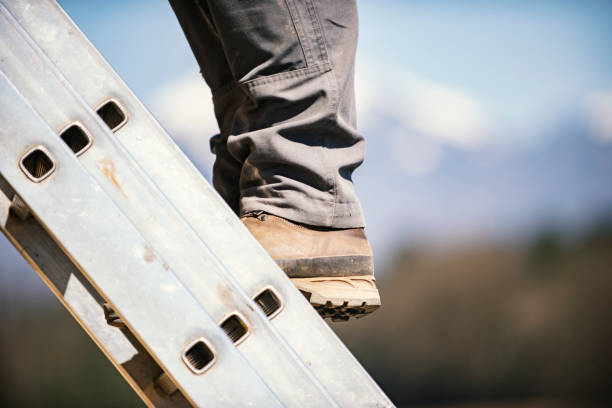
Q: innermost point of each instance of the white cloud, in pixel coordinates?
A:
(436, 111)
(421, 116)
(443, 114)
(414, 155)
(598, 110)
(183, 106)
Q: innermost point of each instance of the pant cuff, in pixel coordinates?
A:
(345, 215)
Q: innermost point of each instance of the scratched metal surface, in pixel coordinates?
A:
(214, 223)
(75, 292)
(122, 264)
(169, 236)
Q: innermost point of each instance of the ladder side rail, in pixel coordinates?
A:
(82, 301)
(122, 266)
(328, 358)
(162, 226)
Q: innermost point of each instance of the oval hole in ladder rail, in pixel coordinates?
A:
(199, 356)
(235, 328)
(269, 301)
(113, 114)
(77, 139)
(37, 163)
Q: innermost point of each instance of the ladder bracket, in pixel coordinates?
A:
(19, 208)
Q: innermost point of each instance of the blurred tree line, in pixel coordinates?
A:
(495, 323)
(484, 324)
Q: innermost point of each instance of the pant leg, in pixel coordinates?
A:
(207, 48)
(285, 104)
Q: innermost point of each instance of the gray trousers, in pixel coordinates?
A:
(282, 79)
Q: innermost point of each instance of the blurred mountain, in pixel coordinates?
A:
(483, 194)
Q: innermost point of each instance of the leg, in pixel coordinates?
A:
(281, 74)
(203, 38)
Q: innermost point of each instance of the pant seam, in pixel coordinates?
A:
(333, 88)
(296, 73)
(299, 31)
(318, 30)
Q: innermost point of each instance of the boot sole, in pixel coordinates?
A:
(340, 298)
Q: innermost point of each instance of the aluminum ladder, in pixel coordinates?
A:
(108, 210)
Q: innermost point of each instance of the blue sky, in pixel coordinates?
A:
(484, 120)
(527, 60)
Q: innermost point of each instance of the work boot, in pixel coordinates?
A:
(333, 268)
